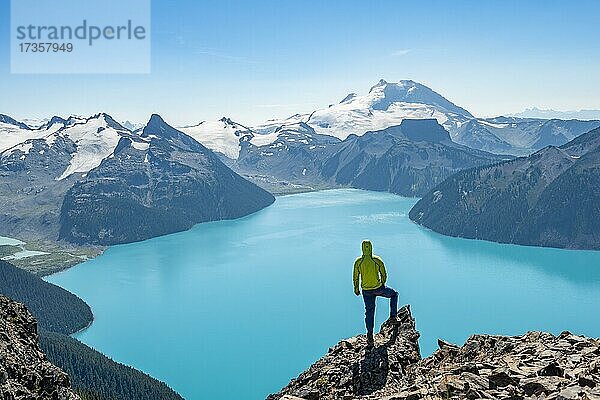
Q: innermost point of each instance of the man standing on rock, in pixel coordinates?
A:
(370, 271)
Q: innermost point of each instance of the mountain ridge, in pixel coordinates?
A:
(153, 188)
(535, 112)
(42, 172)
(546, 199)
(406, 159)
(386, 104)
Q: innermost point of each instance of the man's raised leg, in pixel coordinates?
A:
(393, 296)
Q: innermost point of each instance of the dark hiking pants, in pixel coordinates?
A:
(370, 296)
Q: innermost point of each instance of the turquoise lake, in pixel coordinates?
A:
(235, 309)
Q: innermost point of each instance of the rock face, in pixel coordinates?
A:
(536, 365)
(408, 159)
(25, 373)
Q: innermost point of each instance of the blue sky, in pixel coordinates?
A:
(255, 60)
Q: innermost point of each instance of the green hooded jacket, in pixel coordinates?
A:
(369, 269)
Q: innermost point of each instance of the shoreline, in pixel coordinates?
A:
(44, 257)
(85, 328)
(94, 251)
(572, 249)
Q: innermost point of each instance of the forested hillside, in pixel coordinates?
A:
(55, 308)
(96, 376)
(547, 199)
(59, 313)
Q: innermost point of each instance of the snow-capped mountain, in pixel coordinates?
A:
(132, 126)
(386, 104)
(159, 182)
(90, 180)
(35, 123)
(13, 133)
(271, 125)
(93, 139)
(9, 121)
(223, 136)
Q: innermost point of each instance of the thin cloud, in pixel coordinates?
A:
(399, 53)
(225, 57)
(284, 105)
(182, 42)
(274, 105)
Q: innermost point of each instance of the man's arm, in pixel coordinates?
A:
(355, 278)
(382, 271)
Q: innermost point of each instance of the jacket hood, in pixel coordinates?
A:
(367, 248)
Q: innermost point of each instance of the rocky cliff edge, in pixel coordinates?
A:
(25, 373)
(536, 365)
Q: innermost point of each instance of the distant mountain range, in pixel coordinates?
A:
(519, 136)
(92, 181)
(554, 114)
(549, 198)
(406, 159)
(385, 105)
(388, 104)
(79, 179)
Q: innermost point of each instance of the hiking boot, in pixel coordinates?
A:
(370, 340)
(392, 321)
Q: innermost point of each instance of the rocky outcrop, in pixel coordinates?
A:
(352, 369)
(25, 373)
(536, 365)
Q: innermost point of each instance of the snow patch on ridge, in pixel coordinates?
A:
(143, 146)
(11, 135)
(222, 136)
(95, 141)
